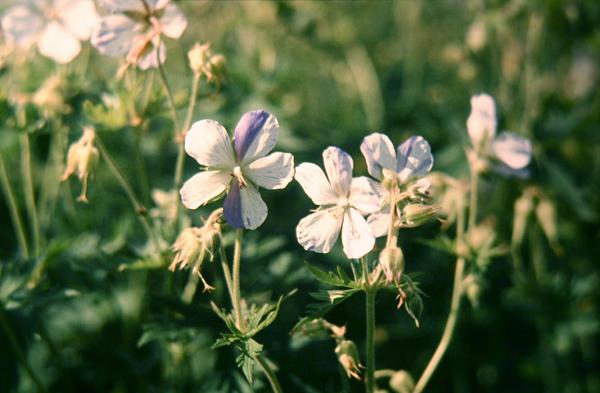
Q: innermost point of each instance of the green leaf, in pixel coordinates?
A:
(249, 350)
(340, 279)
(328, 300)
(414, 306)
(442, 243)
(227, 318)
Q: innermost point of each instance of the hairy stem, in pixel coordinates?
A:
(392, 236)
(237, 256)
(29, 193)
(370, 315)
(473, 200)
(13, 209)
(270, 374)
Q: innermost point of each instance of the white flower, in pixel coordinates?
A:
(56, 26)
(411, 160)
(342, 200)
(239, 171)
(511, 149)
(133, 28)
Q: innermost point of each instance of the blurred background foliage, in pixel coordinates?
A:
(90, 316)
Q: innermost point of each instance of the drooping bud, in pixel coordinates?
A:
(391, 262)
(546, 216)
(472, 287)
(416, 214)
(82, 159)
(523, 207)
(402, 382)
(347, 354)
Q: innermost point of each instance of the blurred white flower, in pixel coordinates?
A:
(240, 171)
(56, 26)
(393, 168)
(342, 200)
(513, 150)
(133, 28)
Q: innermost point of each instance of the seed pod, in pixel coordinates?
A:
(402, 382)
(416, 214)
(347, 354)
(391, 261)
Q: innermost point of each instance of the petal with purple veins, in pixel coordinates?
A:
(338, 165)
(414, 158)
(379, 153)
(255, 135)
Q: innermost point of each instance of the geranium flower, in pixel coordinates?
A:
(239, 172)
(412, 160)
(56, 26)
(342, 200)
(511, 149)
(133, 28)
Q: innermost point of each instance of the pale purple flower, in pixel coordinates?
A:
(237, 170)
(342, 201)
(513, 150)
(132, 30)
(410, 161)
(55, 26)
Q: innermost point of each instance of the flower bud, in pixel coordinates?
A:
(347, 354)
(482, 236)
(472, 287)
(199, 57)
(391, 261)
(416, 214)
(402, 382)
(523, 207)
(82, 158)
(546, 215)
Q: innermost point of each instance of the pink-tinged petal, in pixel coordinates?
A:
(365, 195)
(481, 123)
(172, 21)
(255, 135)
(338, 165)
(414, 158)
(120, 6)
(78, 16)
(380, 222)
(357, 237)
(512, 149)
(273, 172)
(115, 34)
(208, 143)
(315, 184)
(22, 26)
(244, 207)
(318, 231)
(203, 187)
(379, 153)
(58, 43)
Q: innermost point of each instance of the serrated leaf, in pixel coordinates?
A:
(338, 279)
(328, 300)
(226, 318)
(249, 350)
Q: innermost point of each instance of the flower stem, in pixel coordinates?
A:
(269, 373)
(237, 256)
(473, 200)
(14, 209)
(226, 270)
(10, 334)
(170, 98)
(454, 303)
(140, 210)
(392, 237)
(370, 314)
(29, 193)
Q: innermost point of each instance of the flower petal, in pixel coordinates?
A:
(380, 222)
(318, 231)
(481, 123)
(255, 135)
(273, 172)
(338, 165)
(21, 26)
(203, 187)
(379, 153)
(208, 143)
(78, 16)
(149, 60)
(58, 44)
(119, 6)
(414, 158)
(172, 21)
(512, 149)
(365, 195)
(315, 184)
(115, 34)
(357, 237)
(244, 207)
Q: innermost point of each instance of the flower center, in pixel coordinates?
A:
(239, 176)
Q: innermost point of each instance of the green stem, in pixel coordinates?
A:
(392, 237)
(226, 270)
(237, 256)
(473, 200)
(29, 193)
(370, 309)
(12, 338)
(170, 97)
(13, 209)
(140, 210)
(275, 386)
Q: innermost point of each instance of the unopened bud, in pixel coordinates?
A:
(347, 354)
(523, 207)
(546, 215)
(402, 382)
(472, 287)
(199, 57)
(82, 159)
(416, 214)
(391, 261)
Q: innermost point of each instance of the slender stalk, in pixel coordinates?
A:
(454, 305)
(13, 209)
(171, 99)
(270, 374)
(473, 200)
(226, 270)
(237, 256)
(29, 193)
(370, 311)
(140, 210)
(392, 237)
(21, 358)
